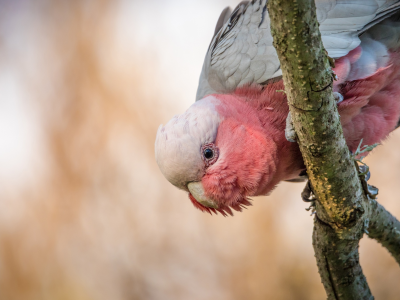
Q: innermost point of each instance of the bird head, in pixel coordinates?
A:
(218, 153)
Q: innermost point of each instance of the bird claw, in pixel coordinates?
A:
(363, 171)
(338, 97)
(307, 194)
(290, 133)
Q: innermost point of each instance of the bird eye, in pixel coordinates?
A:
(208, 153)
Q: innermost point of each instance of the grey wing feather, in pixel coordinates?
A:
(241, 50)
(223, 18)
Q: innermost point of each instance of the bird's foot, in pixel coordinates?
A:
(364, 174)
(307, 194)
(338, 97)
(290, 133)
(312, 208)
(363, 171)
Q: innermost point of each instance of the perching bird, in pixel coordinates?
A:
(230, 144)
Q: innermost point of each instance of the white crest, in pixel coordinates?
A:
(178, 143)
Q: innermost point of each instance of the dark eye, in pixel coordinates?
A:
(208, 153)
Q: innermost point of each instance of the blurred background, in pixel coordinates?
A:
(85, 213)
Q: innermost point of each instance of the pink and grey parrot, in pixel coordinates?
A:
(231, 143)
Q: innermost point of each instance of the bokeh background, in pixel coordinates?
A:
(85, 213)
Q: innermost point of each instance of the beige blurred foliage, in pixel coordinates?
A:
(96, 219)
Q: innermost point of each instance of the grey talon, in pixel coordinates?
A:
(290, 133)
(307, 194)
(338, 97)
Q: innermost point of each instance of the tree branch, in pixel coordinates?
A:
(338, 264)
(385, 228)
(341, 203)
(343, 210)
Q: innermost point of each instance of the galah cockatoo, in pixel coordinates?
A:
(230, 144)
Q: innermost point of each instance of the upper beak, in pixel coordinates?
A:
(197, 191)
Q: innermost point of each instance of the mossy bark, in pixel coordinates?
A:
(341, 204)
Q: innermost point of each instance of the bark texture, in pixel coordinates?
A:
(341, 204)
(385, 228)
(338, 264)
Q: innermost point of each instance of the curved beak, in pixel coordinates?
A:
(197, 191)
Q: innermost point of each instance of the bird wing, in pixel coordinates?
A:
(241, 50)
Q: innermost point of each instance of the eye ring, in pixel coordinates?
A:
(209, 154)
